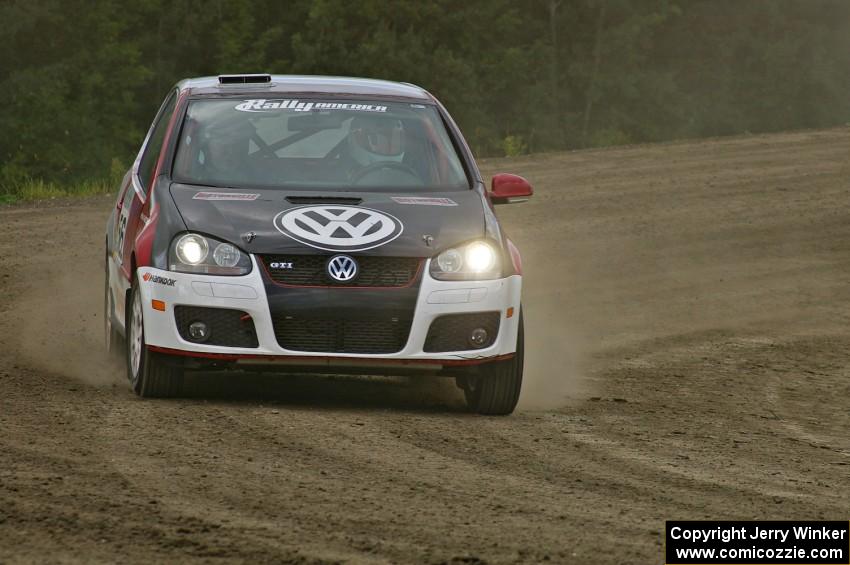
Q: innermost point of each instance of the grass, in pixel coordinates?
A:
(36, 189)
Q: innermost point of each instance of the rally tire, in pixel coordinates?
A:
(150, 375)
(113, 340)
(495, 390)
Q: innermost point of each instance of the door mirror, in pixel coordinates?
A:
(510, 189)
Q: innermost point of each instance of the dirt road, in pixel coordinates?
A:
(688, 310)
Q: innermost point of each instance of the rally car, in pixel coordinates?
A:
(325, 224)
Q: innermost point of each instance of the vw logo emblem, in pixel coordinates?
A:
(338, 228)
(342, 268)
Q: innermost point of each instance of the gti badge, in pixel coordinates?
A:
(338, 228)
(342, 268)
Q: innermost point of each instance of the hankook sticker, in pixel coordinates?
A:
(159, 280)
(225, 196)
(424, 201)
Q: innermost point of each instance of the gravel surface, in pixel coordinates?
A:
(688, 357)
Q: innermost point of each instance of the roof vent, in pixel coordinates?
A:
(244, 79)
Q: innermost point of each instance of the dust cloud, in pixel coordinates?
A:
(60, 326)
(553, 376)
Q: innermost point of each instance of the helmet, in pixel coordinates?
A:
(225, 145)
(376, 138)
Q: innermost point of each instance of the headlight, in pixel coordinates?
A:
(225, 255)
(192, 249)
(477, 260)
(480, 257)
(450, 261)
(190, 253)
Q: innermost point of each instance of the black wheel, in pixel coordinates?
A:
(113, 340)
(495, 389)
(149, 374)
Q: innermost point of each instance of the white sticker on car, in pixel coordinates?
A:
(225, 196)
(424, 201)
(270, 105)
(338, 228)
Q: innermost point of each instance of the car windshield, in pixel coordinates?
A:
(321, 144)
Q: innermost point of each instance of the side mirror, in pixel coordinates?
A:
(510, 189)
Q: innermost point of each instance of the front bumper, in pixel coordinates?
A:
(247, 293)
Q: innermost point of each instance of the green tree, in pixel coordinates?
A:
(518, 75)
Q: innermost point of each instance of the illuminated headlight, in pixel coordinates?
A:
(477, 260)
(480, 257)
(192, 249)
(190, 253)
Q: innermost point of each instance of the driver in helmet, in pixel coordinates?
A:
(374, 139)
(225, 154)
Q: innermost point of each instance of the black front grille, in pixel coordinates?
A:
(311, 270)
(451, 332)
(230, 328)
(341, 336)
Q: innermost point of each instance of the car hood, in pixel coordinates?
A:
(308, 222)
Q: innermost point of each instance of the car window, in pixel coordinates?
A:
(317, 144)
(147, 165)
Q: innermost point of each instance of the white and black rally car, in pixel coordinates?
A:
(313, 224)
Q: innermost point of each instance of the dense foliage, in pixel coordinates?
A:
(81, 80)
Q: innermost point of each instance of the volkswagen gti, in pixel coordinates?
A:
(295, 223)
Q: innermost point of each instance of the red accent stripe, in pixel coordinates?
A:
(357, 360)
(352, 287)
(178, 107)
(144, 239)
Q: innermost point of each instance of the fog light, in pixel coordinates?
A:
(478, 337)
(199, 331)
